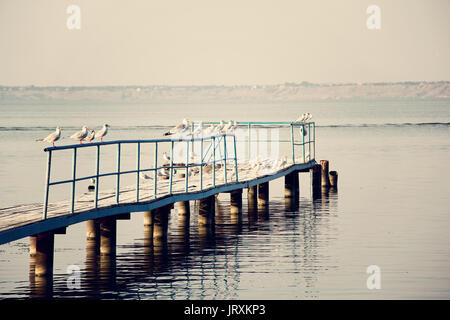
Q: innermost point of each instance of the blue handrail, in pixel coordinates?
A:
(208, 157)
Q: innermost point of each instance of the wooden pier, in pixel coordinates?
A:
(215, 172)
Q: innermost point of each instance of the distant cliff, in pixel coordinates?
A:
(287, 92)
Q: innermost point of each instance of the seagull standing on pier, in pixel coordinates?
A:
(302, 118)
(219, 127)
(80, 135)
(166, 157)
(144, 176)
(90, 137)
(52, 137)
(103, 132)
(179, 128)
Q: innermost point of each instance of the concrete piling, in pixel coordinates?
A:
(206, 210)
(161, 223)
(236, 201)
(324, 173)
(92, 230)
(333, 179)
(263, 195)
(108, 235)
(316, 180)
(41, 249)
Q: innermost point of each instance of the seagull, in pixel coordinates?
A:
(227, 127)
(230, 130)
(282, 163)
(91, 187)
(52, 137)
(163, 174)
(90, 137)
(80, 135)
(166, 157)
(144, 176)
(220, 126)
(179, 128)
(197, 131)
(208, 131)
(103, 132)
(301, 118)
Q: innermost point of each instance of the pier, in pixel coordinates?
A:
(196, 168)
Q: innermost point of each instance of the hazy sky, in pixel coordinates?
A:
(181, 42)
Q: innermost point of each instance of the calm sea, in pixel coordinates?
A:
(392, 209)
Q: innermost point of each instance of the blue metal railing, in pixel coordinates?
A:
(207, 157)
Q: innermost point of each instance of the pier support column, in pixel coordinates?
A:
(291, 185)
(325, 175)
(206, 210)
(108, 235)
(161, 223)
(184, 215)
(236, 201)
(93, 230)
(41, 249)
(184, 210)
(263, 195)
(316, 180)
(291, 191)
(148, 218)
(236, 206)
(252, 196)
(333, 179)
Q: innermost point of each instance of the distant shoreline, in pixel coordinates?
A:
(286, 92)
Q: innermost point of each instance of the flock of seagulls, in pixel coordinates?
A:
(83, 135)
(184, 129)
(306, 117)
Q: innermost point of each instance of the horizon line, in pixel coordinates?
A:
(230, 85)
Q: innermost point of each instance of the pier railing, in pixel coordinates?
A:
(216, 153)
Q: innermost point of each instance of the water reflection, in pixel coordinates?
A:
(209, 261)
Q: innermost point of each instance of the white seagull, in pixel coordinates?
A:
(144, 176)
(103, 132)
(90, 137)
(52, 137)
(227, 127)
(179, 128)
(80, 135)
(220, 126)
(301, 118)
(166, 157)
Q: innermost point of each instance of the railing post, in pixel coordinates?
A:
(47, 184)
(214, 161)
(303, 142)
(249, 141)
(225, 156)
(293, 143)
(74, 173)
(187, 164)
(171, 167)
(96, 179)
(201, 165)
(314, 139)
(118, 174)
(138, 167)
(235, 159)
(156, 170)
(309, 141)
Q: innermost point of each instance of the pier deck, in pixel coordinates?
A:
(24, 220)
